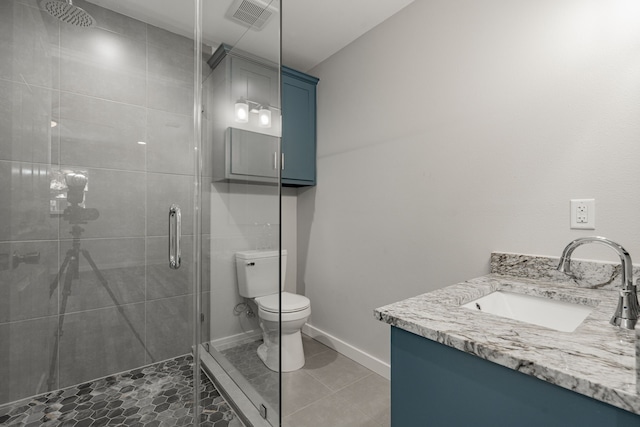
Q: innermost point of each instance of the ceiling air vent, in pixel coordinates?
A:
(254, 14)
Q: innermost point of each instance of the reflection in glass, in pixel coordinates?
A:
(76, 214)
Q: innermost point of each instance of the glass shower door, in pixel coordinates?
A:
(96, 143)
(241, 200)
(98, 140)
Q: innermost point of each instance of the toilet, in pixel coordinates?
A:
(258, 280)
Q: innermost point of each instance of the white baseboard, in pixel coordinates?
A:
(368, 361)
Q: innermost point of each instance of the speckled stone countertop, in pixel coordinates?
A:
(597, 359)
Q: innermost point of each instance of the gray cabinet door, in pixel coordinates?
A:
(254, 82)
(252, 155)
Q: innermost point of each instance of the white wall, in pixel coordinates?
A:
(289, 240)
(457, 128)
(245, 217)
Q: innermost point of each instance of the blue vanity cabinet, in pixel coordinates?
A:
(298, 128)
(439, 386)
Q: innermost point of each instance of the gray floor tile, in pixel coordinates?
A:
(335, 370)
(371, 395)
(329, 411)
(312, 347)
(300, 389)
(385, 419)
(244, 358)
(331, 390)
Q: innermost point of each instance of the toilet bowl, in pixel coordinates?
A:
(258, 279)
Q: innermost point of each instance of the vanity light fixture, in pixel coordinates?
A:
(242, 111)
(264, 117)
(244, 108)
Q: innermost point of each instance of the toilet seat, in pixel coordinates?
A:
(291, 303)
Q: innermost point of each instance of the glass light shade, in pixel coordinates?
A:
(242, 112)
(264, 118)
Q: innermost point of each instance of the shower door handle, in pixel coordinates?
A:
(175, 231)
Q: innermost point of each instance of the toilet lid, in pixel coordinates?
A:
(290, 302)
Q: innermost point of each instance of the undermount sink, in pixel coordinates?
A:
(559, 315)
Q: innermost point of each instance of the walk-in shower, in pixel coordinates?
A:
(110, 111)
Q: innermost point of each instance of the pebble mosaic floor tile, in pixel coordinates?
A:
(156, 396)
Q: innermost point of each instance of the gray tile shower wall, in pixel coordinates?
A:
(105, 89)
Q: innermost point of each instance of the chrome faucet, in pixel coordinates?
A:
(626, 314)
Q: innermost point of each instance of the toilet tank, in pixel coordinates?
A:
(258, 272)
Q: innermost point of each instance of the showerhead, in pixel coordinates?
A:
(65, 11)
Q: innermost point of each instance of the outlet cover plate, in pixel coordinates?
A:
(583, 214)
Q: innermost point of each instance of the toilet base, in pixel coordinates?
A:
(292, 351)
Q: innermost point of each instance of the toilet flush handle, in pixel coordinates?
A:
(250, 264)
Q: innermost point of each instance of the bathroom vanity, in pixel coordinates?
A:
(458, 366)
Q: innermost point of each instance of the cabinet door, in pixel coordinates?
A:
(254, 82)
(298, 131)
(252, 155)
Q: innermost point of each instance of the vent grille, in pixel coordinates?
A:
(254, 14)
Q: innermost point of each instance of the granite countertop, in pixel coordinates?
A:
(597, 359)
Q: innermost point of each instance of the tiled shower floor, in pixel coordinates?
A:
(156, 395)
(244, 358)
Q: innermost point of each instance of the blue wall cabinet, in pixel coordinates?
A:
(436, 385)
(298, 128)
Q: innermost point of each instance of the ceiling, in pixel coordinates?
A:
(312, 30)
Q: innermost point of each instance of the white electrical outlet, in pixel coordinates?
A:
(583, 214)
